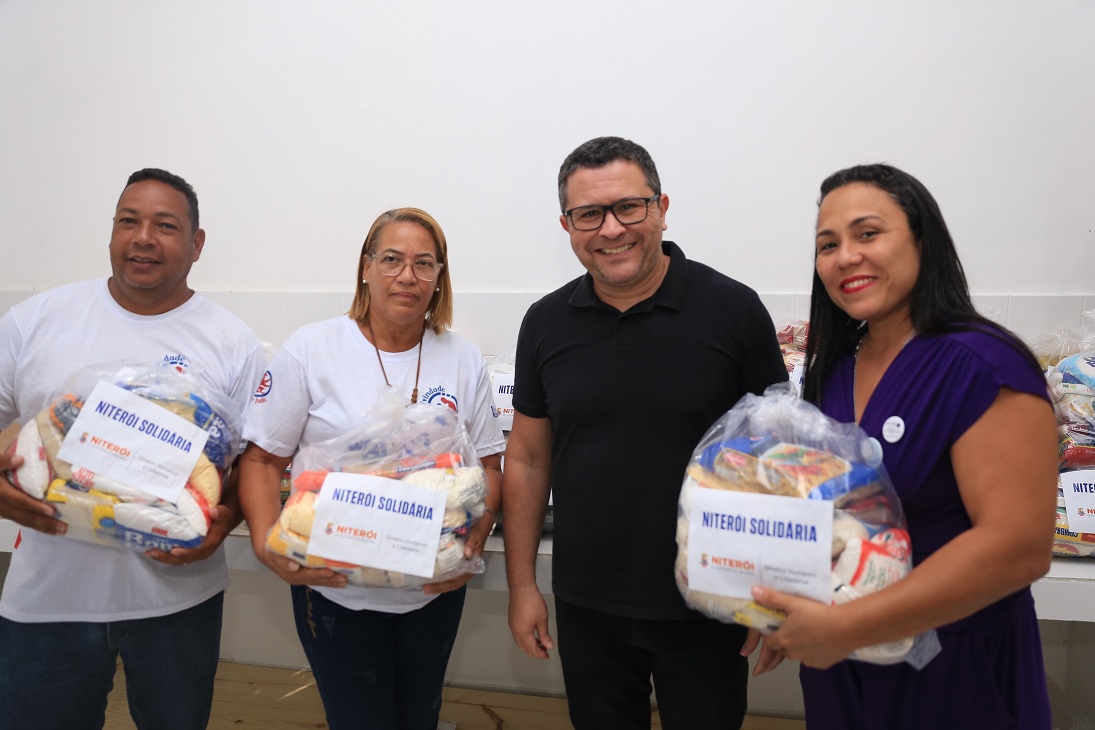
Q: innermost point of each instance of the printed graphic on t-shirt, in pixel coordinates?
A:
(438, 396)
(180, 362)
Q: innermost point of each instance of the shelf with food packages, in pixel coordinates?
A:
(1067, 591)
(1072, 385)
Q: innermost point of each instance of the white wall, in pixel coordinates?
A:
(299, 122)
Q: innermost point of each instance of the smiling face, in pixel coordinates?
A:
(400, 301)
(626, 262)
(152, 247)
(866, 255)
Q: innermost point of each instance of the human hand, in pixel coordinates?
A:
(477, 536)
(18, 506)
(473, 548)
(528, 622)
(222, 520)
(288, 569)
(811, 633)
(767, 660)
(296, 574)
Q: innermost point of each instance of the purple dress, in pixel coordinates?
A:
(989, 673)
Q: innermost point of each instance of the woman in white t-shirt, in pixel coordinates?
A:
(378, 655)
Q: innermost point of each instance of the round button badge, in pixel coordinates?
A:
(893, 429)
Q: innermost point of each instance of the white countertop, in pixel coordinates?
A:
(1067, 593)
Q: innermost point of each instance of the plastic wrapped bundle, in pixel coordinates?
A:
(100, 509)
(1072, 383)
(1074, 387)
(419, 445)
(779, 446)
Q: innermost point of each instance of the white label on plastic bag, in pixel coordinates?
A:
(798, 374)
(378, 522)
(1079, 490)
(738, 540)
(129, 439)
(503, 399)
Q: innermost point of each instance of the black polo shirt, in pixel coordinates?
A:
(630, 395)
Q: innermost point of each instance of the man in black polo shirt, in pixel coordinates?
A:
(619, 374)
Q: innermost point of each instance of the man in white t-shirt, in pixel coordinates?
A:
(70, 608)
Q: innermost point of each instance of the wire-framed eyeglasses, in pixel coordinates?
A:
(628, 211)
(391, 265)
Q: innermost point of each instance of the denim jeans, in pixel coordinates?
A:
(699, 675)
(56, 676)
(375, 670)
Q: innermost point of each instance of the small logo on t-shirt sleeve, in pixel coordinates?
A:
(265, 386)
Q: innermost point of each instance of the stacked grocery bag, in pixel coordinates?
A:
(1070, 361)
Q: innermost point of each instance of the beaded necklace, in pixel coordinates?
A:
(418, 369)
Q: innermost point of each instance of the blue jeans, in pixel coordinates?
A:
(375, 670)
(699, 676)
(56, 676)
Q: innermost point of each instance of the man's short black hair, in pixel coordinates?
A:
(602, 151)
(168, 178)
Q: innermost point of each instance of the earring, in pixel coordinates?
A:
(437, 289)
(365, 282)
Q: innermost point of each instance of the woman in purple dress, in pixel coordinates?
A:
(960, 407)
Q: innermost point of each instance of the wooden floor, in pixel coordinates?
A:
(269, 698)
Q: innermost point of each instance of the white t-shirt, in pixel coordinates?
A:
(44, 340)
(324, 379)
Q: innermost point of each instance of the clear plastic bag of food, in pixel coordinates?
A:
(1052, 347)
(780, 448)
(1073, 386)
(366, 482)
(148, 471)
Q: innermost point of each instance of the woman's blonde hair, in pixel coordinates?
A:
(439, 312)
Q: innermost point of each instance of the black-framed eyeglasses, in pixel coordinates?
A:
(392, 265)
(628, 211)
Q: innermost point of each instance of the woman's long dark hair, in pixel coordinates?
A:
(940, 300)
